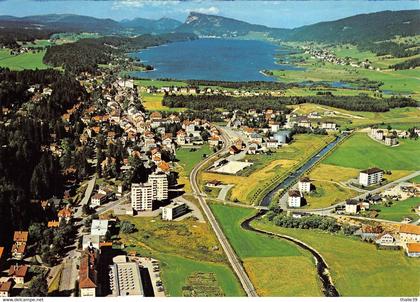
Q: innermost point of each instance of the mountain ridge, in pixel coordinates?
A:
(362, 27)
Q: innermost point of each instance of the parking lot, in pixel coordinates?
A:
(153, 267)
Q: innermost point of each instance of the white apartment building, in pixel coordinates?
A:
(159, 184)
(370, 176)
(304, 185)
(142, 197)
(295, 199)
(174, 210)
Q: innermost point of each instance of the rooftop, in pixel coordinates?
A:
(305, 179)
(294, 193)
(18, 270)
(21, 236)
(413, 247)
(99, 227)
(174, 205)
(371, 170)
(410, 229)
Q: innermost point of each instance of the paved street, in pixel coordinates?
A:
(230, 253)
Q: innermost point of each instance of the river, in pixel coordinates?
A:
(293, 177)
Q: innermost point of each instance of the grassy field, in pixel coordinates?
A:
(399, 118)
(27, 60)
(328, 193)
(416, 179)
(358, 268)
(398, 210)
(404, 81)
(362, 152)
(183, 247)
(153, 102)
(187, 159)
(269, 169)
(176, 270)
(265, 257)
(158, 83)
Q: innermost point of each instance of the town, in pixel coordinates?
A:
(204, 156)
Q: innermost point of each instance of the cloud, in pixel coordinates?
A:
(142, 3)
(205, 10)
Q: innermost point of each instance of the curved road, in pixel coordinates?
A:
(232, 257)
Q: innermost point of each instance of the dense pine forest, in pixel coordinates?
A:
(353, 103)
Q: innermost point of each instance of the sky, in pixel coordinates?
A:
(283, 14)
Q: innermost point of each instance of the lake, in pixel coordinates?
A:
(212, 59)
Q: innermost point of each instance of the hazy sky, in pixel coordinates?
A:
(272, 13)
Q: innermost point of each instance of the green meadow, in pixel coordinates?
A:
(183, 248)
(398, 210)
(176, 270)
(358, 268)
(361, 152)
(265, 257)
(27, 60)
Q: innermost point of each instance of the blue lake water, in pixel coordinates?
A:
(212, 59)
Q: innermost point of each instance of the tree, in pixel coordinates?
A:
(37, 288)
(36, 231)
(127, 227)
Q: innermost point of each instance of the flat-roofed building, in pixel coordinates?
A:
(99, 227)
(90, 241)
(174, 210)
(142, 197)
(159, 183)
(125, 278)
(371, 176)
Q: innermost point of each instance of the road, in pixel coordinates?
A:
(232, 257)
(363, 196)
(69, 274)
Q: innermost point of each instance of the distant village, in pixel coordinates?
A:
(327, 56)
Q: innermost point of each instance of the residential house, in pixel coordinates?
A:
(391, 140)
(274, 126)
(18, 273)
(409, 233)
(5, 289)
(180, 137)
(412, 249)
(20, 239)
(53, 224)
(329, 125)
(65, 213)
(352, 206)
(386, 239)
(97, 200)
(88, 274)
(272, 144)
